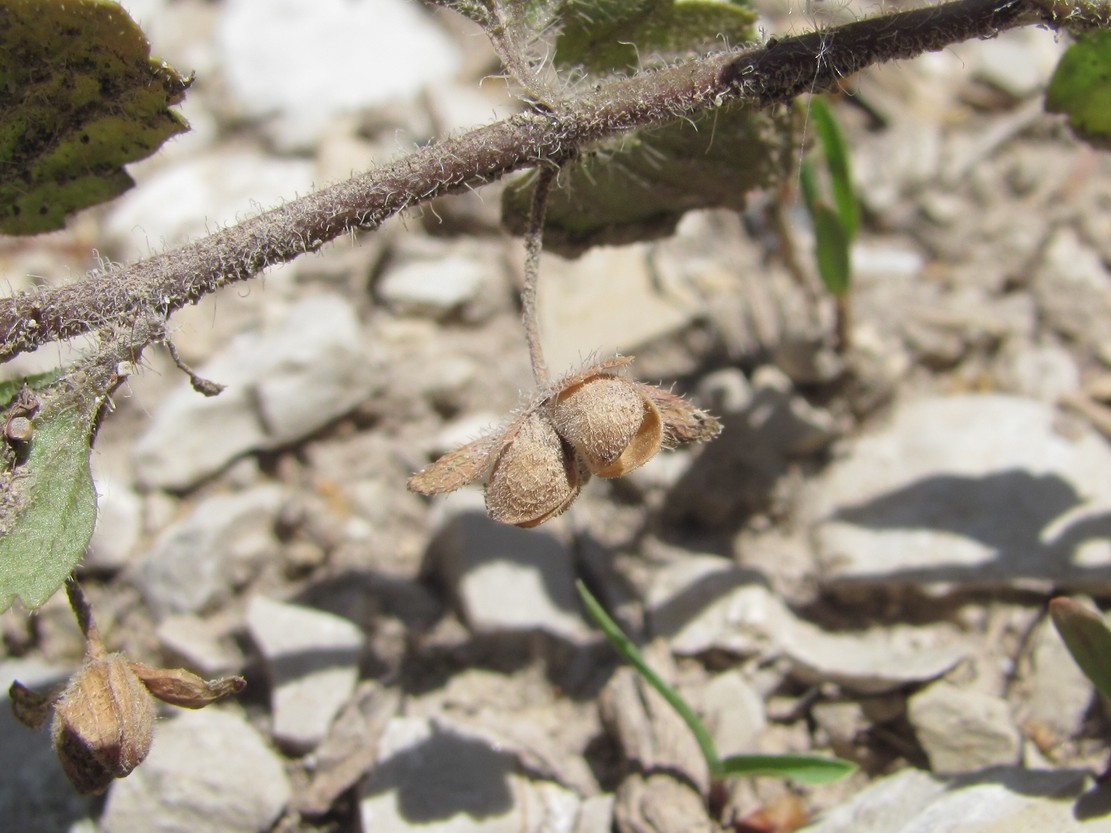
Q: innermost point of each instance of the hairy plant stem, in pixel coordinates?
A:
(534, 245)
(777, 72)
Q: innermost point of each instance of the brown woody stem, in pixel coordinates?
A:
(764, 75)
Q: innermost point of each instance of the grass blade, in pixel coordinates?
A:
(806, 769)
(1086, 635)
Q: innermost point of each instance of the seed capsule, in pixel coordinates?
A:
(103, 724)
(610, 422)
(535, 475)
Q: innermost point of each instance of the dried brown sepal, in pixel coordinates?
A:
(103, 724)
(683, 423)
(32, 708)
(535, 475)
(179, 687)
(453, 470)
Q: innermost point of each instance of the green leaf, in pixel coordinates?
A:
(620, 35)
(47, 505)
(837, 161)
(80, 96)
(1081, 87)
(629, 651)
(831, 248)
(639, 187)
(1086, 635)
(806, 769)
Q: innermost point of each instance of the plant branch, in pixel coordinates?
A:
(773, 73)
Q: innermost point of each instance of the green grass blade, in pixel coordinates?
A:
(806, 769)
(1086, 635)
(808, 184)
(837, 159)
(629, 651)
(831, 248)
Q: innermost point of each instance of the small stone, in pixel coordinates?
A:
(1045, 372)
(434, 288)
(733, 712)
(963, 731)
(313, 658)
(198, 561)
(208, 772)
(504, 578)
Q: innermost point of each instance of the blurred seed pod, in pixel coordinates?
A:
(535, 475)
(103, 724)
(610, 422)
(455, 469)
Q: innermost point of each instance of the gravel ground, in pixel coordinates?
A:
(858, 566)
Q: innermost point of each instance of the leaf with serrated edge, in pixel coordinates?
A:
(80, 96)
(47, 509)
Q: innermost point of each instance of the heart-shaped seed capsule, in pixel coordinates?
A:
(610, 422)
(535, 475)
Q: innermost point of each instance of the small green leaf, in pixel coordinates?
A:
(80, 96)
(1086, 635)
(806, 769)
(808, 184)
(1081, 87)
(638, 187)
(47, 507)
(837, 161)
(831, 245)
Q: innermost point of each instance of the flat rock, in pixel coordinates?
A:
(505, 578)
(1001, 798)
(437, 781)
(199, 645)
(119, 518)
(970, 491)
(704, 602)
(208, 772)
(313, 658)
(963, 731)
(281, 385)
(391, 46)
(435, 287)
(198, 561)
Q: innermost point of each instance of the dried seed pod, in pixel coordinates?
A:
(455, 469)
(610, 422)
(535, 475)
(179, 687)
(683, 423)
(103, 724)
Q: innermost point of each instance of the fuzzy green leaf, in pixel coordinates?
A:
(1081, 88)
(1086, 635)
(80, 96)
(639, 187)
(832, 249)
(47, 507)
(619, 35)
(805, 769)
